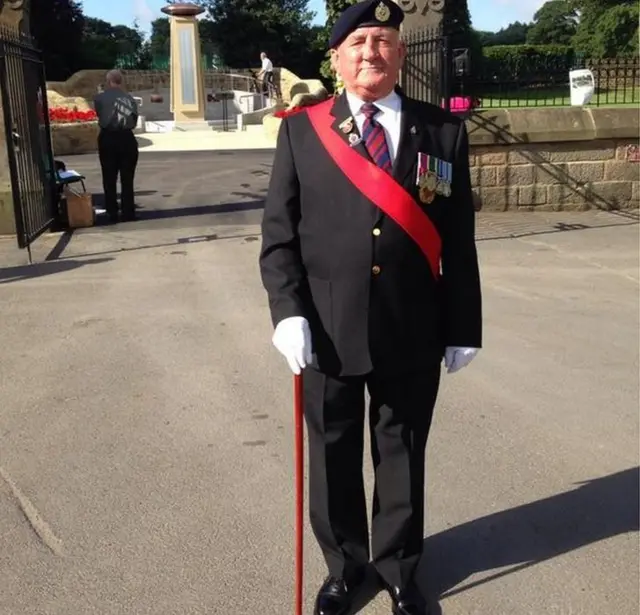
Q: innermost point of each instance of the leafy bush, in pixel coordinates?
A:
(526, 62)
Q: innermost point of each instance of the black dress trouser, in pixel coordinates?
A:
(400, 414)
(118, 152)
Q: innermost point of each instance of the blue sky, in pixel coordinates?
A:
(485, 14)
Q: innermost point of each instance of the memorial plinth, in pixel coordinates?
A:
(187, 99)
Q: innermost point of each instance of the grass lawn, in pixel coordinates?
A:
(628, 97)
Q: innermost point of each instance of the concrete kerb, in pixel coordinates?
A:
(252, 138)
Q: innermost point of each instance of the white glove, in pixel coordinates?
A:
(457, 357)
(292, 338)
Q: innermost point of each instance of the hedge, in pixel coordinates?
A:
(526, 62)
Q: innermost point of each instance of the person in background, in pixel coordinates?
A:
(266, 74)
(117, 113)
(369, 262)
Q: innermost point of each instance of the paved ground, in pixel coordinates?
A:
(145, 421)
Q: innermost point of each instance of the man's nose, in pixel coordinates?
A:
(369, 50)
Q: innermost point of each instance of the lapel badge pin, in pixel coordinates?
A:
(347, 125)
(354, 139)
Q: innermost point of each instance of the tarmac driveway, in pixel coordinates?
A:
(146, 461)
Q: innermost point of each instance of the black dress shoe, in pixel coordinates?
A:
(407, 601)
(335, 595)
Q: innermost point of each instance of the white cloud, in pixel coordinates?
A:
(143, 13)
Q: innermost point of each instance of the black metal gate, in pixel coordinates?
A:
(28, 135)
(426, 74)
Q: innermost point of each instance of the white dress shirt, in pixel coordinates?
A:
(389, 118)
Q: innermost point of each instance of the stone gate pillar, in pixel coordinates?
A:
(420, 14)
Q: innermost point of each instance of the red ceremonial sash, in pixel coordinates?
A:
(378, 186)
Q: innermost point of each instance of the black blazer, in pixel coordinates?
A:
(319, 250)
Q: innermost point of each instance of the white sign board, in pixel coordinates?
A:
(582, 85)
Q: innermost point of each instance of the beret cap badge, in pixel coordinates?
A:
(382, 12)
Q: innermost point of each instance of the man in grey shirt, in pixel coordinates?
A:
(117, 113)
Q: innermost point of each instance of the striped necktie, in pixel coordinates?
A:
(374, 138)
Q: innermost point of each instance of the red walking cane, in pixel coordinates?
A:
(299, 470)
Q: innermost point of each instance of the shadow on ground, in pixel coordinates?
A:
(530, 534)
(49, 267)
(522, 537)
(493, 229)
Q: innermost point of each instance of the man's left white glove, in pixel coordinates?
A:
(292, 337)
(457, 357)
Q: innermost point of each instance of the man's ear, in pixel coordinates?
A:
(402, 51)
(334, 60)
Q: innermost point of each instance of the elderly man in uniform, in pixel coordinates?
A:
(370, 266)
(117, 113)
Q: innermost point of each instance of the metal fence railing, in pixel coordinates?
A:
(425, 73)
(616, 80)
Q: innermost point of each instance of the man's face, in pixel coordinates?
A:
(368, 61)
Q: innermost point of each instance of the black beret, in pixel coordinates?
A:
(384, 13)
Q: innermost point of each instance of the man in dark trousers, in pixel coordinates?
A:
(369, 261)
(117, 146)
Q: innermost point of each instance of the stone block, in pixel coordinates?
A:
(7, 216)
(271, 126)
(527, 153)
(483, 176)
(619, 170)
(563, 196)
(611, 195)
(55, 100)
(615, 122)
(489, 127)
(532, 195)
(306, 86)
(575, 151)
(490, 156)
(498, 199)
(547, 124)
(583, 172)
(517, 175)
(635, 193)
(551, 173)
(74, 138)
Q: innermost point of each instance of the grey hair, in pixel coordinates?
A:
(115, 77)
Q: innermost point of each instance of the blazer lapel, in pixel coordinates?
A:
(342, 113)
(412, 135)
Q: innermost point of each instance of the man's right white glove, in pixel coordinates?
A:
(292, 338)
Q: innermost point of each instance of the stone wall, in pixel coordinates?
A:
(74, 138)
(83, 85)
(555, 159)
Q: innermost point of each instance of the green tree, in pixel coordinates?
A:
(606, 28)
(104, 44)
(281, 28)
(159, 41)
(617, 32)
(514, 34)
(555, 23)
(334, 9)
(57, 26)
